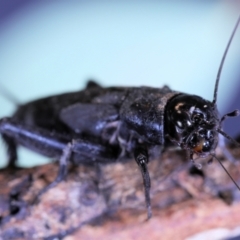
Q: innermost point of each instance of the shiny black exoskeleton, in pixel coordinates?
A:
(107, 124)
(192, 122)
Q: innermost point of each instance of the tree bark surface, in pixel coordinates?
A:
(107, 201)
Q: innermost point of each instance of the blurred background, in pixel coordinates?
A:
(50, 47)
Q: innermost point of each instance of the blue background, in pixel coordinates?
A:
(49, 47)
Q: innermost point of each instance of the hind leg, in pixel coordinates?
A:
(11, 151)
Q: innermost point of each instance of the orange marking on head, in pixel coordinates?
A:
(199, 146)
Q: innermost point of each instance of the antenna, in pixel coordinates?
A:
(222, 62)
(228, 137)
(227, 172)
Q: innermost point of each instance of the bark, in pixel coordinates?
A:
(107, 201)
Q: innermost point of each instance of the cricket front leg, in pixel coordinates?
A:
(141, 157)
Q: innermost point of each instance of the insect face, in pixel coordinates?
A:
(192, 123)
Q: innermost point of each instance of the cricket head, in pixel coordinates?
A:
(192, 123)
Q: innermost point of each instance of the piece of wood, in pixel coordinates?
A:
(107, 201)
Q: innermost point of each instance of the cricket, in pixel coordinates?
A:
(106, 125)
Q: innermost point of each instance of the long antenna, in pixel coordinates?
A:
(228, 137)
(222, 62)
(235, 183)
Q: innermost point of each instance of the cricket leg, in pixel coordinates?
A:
(57, 146)
(11, 151)
(36, 139)
(62, 171)
(52, 145)
(141, 157)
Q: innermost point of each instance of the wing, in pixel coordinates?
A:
(89, 118)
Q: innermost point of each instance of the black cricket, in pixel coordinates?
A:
(105, 125)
